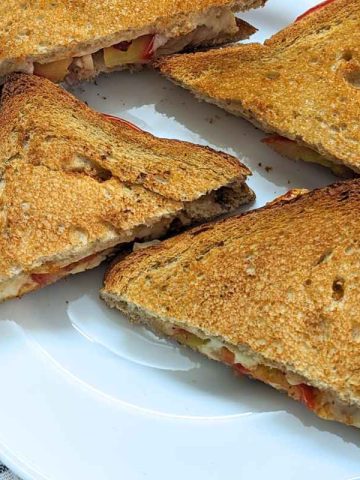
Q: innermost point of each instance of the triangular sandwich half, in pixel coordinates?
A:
(273, 293)
(302, 85)
(75, 184)
(76, 40)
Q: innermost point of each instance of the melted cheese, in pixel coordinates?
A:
(87, 64)
(24, 283)
(11, 288)
(325, 403)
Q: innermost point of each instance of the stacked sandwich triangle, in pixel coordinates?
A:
(76, 184)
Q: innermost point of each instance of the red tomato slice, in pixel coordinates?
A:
(275, 139)
(47, 278)
(313, 9)
(44, 278)
(149, 49)
(306, 395)
(121, 120)
(240, 369)
(226, 356)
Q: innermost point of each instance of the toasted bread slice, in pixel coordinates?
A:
(75, 184)
(274, 293)
(302, 84)
(75, 40)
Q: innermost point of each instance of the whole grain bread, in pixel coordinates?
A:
(303, 83)
(281, 282)
(74, 182)
(43, 31)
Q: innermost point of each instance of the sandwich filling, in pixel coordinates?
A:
(48, 274)
(214, 26)
(245, 362)
(206, 207)
(296, 151)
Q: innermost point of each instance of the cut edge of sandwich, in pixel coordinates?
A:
(317, 397)
(292, 148)
(48, 270)
(134, 48)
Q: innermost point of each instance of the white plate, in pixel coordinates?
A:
(84, 395)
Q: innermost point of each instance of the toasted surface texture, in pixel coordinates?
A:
(40, 29)
(303, 83)
(74, 182)
(44, 125)
(282, 280)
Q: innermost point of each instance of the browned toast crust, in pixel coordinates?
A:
(282, 280)
(74, 182)
(40, 30)
(303, 83)
(44, 125)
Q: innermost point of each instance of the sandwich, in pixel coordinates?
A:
(74, 185)
(273, 293)
(302, 85)
(77, 40)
